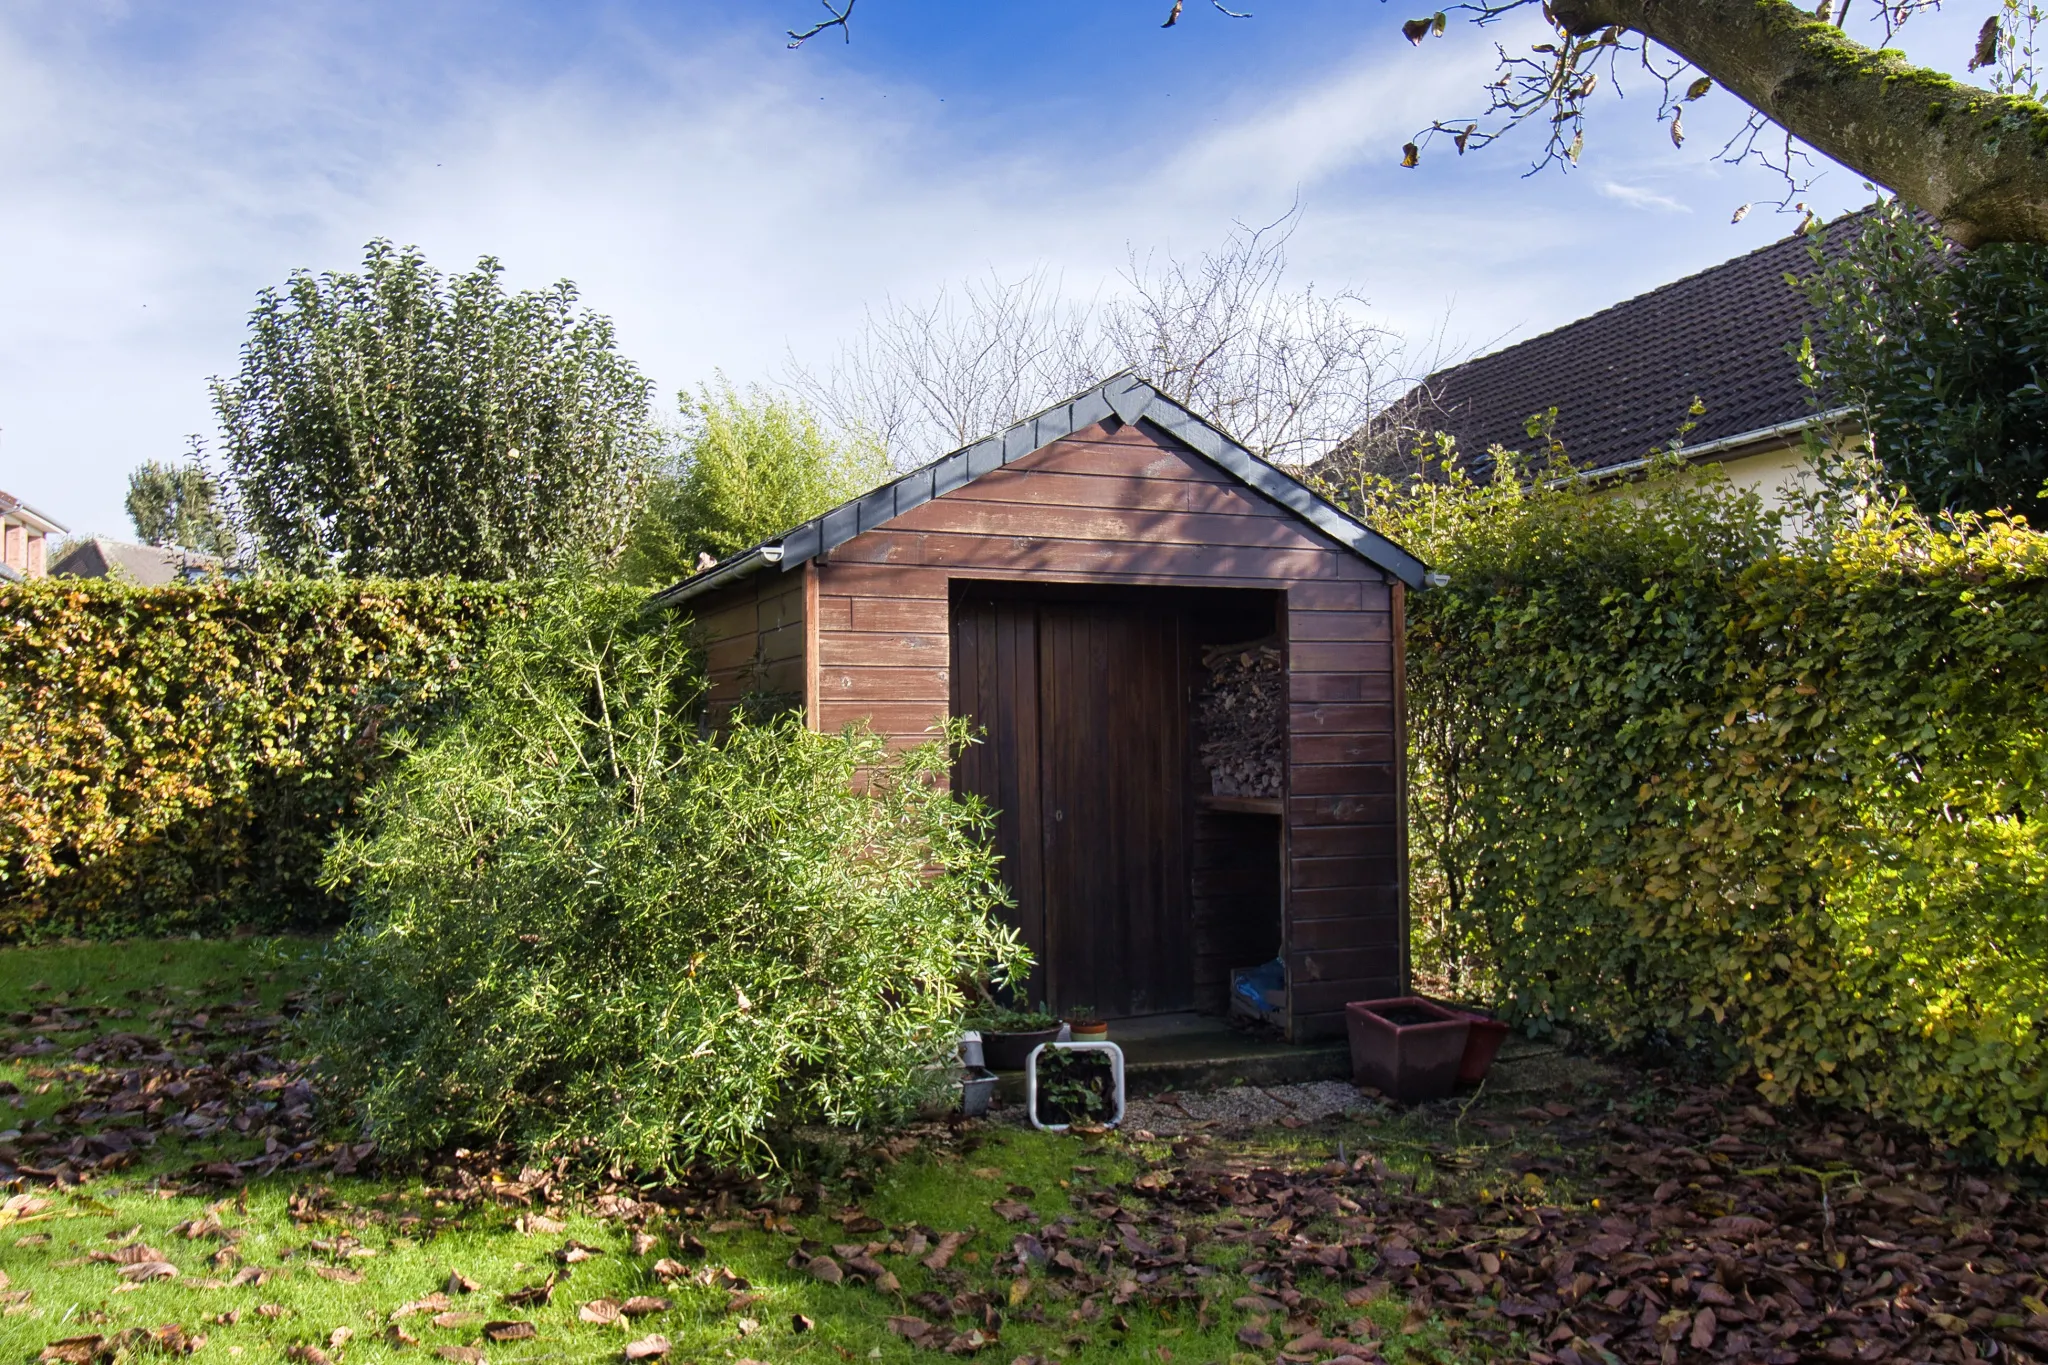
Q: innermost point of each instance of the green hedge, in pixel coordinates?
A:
(176, 759)
(1783, 807)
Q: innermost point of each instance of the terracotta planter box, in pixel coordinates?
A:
(1482, 1045)
(1407, 1048)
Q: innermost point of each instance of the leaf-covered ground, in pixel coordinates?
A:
(168, 1191)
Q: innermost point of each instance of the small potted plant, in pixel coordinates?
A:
(1008, 1035)
(1084, 1026)
(1074, 1087)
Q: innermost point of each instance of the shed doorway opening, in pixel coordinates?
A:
(1137, 893)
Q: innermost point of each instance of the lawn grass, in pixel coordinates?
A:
(408, 1235)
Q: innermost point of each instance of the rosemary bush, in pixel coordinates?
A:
(586, 928)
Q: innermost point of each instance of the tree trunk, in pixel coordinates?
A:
(1977, 161)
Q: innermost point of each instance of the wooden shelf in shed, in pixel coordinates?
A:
(1241, 805)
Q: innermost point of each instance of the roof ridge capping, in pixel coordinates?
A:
(1124, 396)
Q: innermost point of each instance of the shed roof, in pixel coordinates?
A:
(1622, 379)
(1123, 396)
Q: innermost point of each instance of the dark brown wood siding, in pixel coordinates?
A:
(1345, 774)
(755, 640)
(1118, 504)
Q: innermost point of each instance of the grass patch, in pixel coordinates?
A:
(338, 1255)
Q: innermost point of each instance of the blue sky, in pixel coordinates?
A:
(731, 203)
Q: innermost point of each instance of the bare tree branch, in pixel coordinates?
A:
(841, 20)
(1976, 159)
(1289, 371)
(1972, 157)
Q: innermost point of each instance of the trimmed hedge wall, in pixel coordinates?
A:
(1785, 808)
(175, 759)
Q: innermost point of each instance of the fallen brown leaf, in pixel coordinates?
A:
(647, 1348)
(910, 1329)
(533, 1295)
(600, 1312)
(949, 1243)
(510, 1331)
(640, 1305)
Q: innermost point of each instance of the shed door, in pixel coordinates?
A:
(1085, 758)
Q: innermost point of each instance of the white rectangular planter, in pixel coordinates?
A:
(1116, 1070)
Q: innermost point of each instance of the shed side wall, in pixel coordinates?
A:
(753, 638)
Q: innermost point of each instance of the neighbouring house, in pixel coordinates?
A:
(24, 539)
(1069, 585)
(1624, 379)
(152, 566)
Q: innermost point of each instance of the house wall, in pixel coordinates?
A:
(1124, 504)
(1778, 473)
(24, 545)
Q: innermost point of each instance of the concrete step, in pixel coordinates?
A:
(1206, 1055)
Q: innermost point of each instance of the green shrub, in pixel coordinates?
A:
(750, 466)
(176, 758)
(586, 928)
(1940, 350)
(1786, 808)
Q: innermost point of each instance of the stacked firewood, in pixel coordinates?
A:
(1241, 718)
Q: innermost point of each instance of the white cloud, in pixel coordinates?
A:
(723, 202)
(1636, 197)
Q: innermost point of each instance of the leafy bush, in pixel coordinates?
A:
(587, 928)
(751, 466)
(1786, 808)
(1941, 349)
(403, 422)
(176, 758)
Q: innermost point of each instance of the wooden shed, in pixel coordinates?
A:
(1061, 583)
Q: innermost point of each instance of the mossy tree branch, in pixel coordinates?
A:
(1976, 160)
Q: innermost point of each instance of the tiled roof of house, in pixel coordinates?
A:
(11, 504)
(1623, 378)
(149, 565)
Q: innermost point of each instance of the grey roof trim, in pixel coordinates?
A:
(729, 571)
(47, 524)
(1122, 395)
(9, 574)
(1705, 451)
